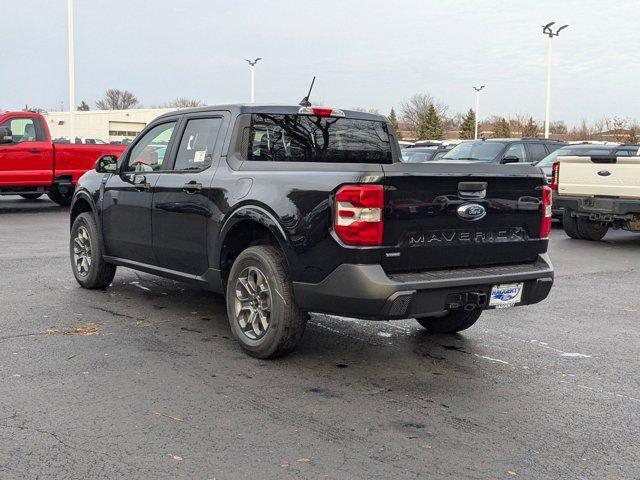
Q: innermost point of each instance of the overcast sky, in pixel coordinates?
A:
(371, 54)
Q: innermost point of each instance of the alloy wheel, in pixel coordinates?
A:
(253, 303)
(82, 251)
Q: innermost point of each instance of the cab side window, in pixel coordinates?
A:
(197, 144)
(149, 152)
(537, 151)
(25, 129)
(516, 150)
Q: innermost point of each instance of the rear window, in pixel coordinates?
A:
(308, 138)
(479, 151)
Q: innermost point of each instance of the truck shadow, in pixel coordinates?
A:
(14, 204)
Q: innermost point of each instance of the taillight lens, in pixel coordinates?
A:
(358, 214)
(547, 200)
(555, 175)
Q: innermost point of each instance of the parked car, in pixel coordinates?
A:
(503, 150)
(597, 193)
(423, 154)
(273, 207)
(80, 140)
(31, 165)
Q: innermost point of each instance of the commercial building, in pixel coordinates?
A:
(106, 125)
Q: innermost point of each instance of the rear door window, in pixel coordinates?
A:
(310, 138)
(197, 144)
(536, 151)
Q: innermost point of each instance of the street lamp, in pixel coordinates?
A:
(477, 89)
(72, 79)
(252, 65)
(546, 30)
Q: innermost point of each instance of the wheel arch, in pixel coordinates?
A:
(246, 226)
(82, 202)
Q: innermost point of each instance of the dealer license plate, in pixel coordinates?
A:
(506, 295)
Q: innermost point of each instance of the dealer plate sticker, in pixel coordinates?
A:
(504, 296)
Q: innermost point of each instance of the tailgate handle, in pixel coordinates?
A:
(472, 189)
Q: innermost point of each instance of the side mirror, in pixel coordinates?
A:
(107, 164)
(510, 159)
(5, 135)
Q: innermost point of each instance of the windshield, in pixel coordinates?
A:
(550, 159)
(411, 155)
(480, 151)
(307, 138)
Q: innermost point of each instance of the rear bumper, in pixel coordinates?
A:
(598, 208)
(366, 291)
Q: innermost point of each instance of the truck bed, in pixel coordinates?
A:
(581, 176)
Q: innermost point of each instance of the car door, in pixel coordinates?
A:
(182, 204)
(126, 203)
(28, 159)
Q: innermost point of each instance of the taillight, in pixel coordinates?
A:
(358, 214)
(547, 200)
(555, 175)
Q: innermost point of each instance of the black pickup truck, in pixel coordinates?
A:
(288, 210)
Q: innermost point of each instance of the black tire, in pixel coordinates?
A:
(286, 322)
(452, 322)
(590, 230)
(570, 224)
(62, 199)
(98, 274)
(31, 196)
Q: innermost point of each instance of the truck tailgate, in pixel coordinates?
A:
(581, 176)
(423, 228)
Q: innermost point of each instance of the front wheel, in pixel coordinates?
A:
(452, 322)
(590, 230)
(31, 196)
(85, 249)
(262, 312)
(62, 199)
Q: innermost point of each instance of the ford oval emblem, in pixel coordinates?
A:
(604, 173)
(471, 211)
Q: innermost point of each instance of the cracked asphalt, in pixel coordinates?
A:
(143, 380)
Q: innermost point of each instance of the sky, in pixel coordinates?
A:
(368, 54)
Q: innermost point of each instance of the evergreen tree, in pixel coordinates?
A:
(468, 126)
(83, 107)
(501, 129)
(431, 125)
(530, 129)
(394, 121)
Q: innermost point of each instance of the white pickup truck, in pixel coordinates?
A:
(597, 193)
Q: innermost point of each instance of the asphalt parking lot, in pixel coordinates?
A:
(144, 381)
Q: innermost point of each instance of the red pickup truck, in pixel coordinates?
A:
(31, 165)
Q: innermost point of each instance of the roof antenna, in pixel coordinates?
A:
(305, 101)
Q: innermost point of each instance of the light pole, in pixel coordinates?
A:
(546, 30)
(72, 79)
(477, 89)
(252, 65)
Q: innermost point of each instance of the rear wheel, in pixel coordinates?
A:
(85, 250)
(262, 312)
(590, 230)
(31, 196)
(452, 322)
(62, 199)
(570, 224)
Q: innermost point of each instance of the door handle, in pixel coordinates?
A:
(35, 150)
(192, 187)
(140, 183)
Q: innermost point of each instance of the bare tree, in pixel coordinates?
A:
(116, 99)
(414, 111)
(184, 102)
(558, 127)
